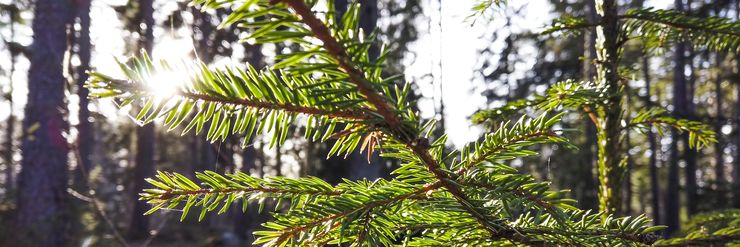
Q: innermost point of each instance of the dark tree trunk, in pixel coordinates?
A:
(690, 154)
(719, 147)
(244, 222)
(736, 160)
(202, 35)
(139, 227)
(278, 159)
(627, 207)
(84, 128)
(588, 198)
(42, 215)
(652, 159)
(672, 191)
(672, 200)
(359, 166)
(145, 137)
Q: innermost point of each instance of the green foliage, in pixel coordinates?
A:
(468, 196)
(700, 135)
(713, 228)
(480, 8)
(656, 28)
(571, 96)
(568, 94)
(236, 101)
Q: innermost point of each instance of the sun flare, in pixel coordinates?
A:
(165, 84)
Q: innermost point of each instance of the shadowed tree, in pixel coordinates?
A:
(672, 197)
(85, 136)
(42, 214)
(145, 136)
(652, 142)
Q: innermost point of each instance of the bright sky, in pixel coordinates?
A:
(458, 47)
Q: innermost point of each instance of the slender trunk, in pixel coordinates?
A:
(10, 127)
(672, 199)
(588, 198)
(359, 165)
(84, 128)
(42, 214)
(719, 147)
(202, 35)
(630, 164)
(144, 161)
(672, 191)
(609, 128)
(736, 160)
(278, 160)
(262, 160)
(652, 159)
(690, 154)
(244, 222)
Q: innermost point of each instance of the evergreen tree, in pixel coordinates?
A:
(468, 196)
(145, 136)
(85, 138)
(42, 214)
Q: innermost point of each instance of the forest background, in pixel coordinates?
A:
(458, 64)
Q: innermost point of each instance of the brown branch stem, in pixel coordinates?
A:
(338, 52)
(383, 108)
(352, 115)
(293, 231)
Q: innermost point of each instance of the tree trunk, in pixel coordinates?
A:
(588, 198)
(359, 166)
(627, 210)
(652, 159)
(9, 150)
(42, 215)
(736, 160)
(278, 160)
(609, 128)
(244, 222)
(690, 154)
(672, 209)
(719, 147)
(85, 136)
(145, 137)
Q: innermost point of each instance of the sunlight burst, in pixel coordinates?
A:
(166, 84)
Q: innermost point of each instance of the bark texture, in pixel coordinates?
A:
(42, 215)
(145, 136)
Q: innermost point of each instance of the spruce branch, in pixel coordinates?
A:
(384, 109)
(338, 52)
(329, 216)
(716, 228)
(562, 95)
(700, 134)
(657, 26)
(232, 100)
(447, 197)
